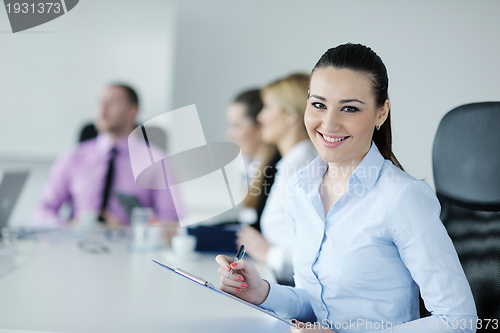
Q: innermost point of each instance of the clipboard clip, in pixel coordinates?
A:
(193, 277)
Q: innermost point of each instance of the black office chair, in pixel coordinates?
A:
(466, 166)
(88, 132)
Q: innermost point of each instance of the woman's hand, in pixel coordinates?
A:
(244, 283)
(309, 328)
(111, 220)
(255, 245)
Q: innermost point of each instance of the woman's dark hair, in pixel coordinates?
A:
(251, 99)
(361, 58)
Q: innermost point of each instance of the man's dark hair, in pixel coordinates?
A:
(131, 93)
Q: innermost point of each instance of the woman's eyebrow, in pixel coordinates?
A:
(344, 101)
(318, 97)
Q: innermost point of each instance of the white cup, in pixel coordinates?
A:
(184, 245)
(139, 225)
(87, 219)
(154, 239)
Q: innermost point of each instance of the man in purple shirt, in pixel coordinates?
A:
(80, 176)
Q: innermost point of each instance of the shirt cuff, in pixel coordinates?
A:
(46, 218)
(289, 302)
(275, 297)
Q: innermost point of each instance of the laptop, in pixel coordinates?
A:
(11, 185)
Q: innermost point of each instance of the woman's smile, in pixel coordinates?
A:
(331, 141)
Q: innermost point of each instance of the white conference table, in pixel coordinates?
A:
(58, 287)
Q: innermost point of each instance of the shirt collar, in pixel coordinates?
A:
(367, 172)
(314, 171)
(105, 143)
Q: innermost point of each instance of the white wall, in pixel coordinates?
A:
(51, 75)
(439, 54)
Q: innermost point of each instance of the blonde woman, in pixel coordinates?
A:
(282, 124)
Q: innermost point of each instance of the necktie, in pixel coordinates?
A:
(108, 183)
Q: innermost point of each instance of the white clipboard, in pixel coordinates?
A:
(208, 285)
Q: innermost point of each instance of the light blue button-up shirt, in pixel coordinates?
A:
(360, 268)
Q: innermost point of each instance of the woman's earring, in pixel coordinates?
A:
(378, 127)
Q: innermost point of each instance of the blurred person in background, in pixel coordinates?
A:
(282, 124)
(260, 157)
(90, 175)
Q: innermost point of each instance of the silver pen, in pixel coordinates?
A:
(239, 255)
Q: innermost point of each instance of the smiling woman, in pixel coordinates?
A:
(333, 121)
(340, 118)
(366, 235)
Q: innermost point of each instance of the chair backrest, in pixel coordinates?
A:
(466, 155)
(87, 132)
(466, 166)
